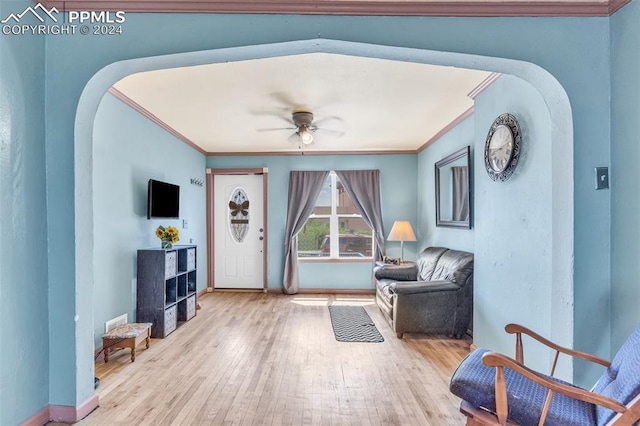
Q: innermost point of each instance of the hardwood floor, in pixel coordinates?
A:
(265, 359)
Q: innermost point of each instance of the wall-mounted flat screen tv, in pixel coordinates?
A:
(163, 200)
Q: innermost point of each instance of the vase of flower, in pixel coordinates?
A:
(168, 236)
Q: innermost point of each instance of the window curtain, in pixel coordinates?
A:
(304, 189)
(460, 179)
(363, 186)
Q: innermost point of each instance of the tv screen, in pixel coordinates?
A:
(163, 200)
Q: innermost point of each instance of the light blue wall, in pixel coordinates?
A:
(397, 195)
(129, 149)
(625, 173)
(513, 226)
(574, 50)
(512, 235)
(24, 325)
(428, 233)
(592, 223)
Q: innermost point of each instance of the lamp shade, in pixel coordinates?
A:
(401, 231)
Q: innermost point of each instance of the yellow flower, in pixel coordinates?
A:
(160, 233)
(168, 234)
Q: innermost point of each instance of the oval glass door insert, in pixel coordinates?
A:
(239, 215)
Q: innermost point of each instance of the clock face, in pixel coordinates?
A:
(500, 148)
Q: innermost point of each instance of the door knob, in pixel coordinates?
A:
(261, 229)
(261, 238)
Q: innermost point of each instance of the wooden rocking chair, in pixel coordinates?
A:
(499, 390)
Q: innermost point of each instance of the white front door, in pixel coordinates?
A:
(238, 231)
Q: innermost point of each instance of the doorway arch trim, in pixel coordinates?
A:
(553, 93)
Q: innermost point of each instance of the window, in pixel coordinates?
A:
(335, 229)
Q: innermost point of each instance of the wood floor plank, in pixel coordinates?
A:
(268, 359)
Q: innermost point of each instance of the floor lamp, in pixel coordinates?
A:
(401, 231)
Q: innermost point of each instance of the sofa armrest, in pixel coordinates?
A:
(417, 287)
(395, 272)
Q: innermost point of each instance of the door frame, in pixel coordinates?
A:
(211, 285)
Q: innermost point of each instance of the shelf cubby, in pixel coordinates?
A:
(182, 286)
(191, 282)
(170, 292)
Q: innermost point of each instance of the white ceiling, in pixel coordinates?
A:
(380, 105)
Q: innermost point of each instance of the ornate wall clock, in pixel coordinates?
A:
(502, 148)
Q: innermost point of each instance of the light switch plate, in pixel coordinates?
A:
(602, 177)
(185, 224)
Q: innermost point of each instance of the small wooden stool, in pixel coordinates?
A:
(126, 336)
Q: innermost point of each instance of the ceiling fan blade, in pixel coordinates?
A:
(333, 121)
(282, 116)
(276, 129)
(334, 133)
(294, 138)
(287, 101)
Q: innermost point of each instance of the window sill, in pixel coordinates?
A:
(335, 260)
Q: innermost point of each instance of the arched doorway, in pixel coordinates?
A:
(561, 240)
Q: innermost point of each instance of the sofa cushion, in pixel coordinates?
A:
(474, 383)
(383, 289)
(384, 298)
(427, 260)
(421, 287)
(405, 272)
(455, 266)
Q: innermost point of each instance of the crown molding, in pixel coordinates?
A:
(615, 5)
(459, 119)
(145, 112)
(493, 8)
(308, 152)
(484, 85)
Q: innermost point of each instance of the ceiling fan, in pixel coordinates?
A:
(305, 127)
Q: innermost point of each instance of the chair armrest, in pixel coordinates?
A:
(415, 287)
(395, 272)
(494, 359)
(519, 329)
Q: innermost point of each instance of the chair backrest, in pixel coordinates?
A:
(427, 260)
(621, 381)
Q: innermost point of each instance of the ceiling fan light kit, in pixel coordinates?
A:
(305, 136)
(304, 128)
(303, 120)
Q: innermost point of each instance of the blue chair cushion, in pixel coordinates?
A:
(474, 383)
(621, 381)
